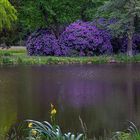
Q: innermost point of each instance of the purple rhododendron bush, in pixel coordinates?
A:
(78, 39)
(42, 42)
(84, 39)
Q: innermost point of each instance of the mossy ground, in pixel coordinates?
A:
(15, 56)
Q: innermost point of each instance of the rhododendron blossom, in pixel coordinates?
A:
(84, 39)
(43, 42)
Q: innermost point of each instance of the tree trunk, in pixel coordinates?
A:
(130, 38)
(130, 45)
(57, 30)
(56, 27)
(131, 31)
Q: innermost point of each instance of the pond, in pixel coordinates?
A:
(105, 96)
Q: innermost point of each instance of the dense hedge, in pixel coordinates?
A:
(84, 39)
(42, 42)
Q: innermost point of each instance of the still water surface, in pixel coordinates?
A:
(105, 96)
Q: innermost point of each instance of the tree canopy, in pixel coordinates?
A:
(7, 14)
(126, 12)
(55, 13)
(50, 13)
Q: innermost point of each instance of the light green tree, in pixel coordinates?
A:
(7, 14)
(125, 11)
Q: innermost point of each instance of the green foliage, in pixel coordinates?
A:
(121, 136)
(18, 57)
(7, 14)
(46, 131)
(125, 11)
(30, 17)
(90, 8)
(55, 13)
(50, 13)
(132, 133)
(35, 130)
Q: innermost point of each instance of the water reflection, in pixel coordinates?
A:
(8, 104)
(105, 96)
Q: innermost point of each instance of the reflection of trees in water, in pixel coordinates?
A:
(103, 101)
(8, 107)
(24, 102)
(133, 94)
(114, 106)
(14, 95)
(133, 91)
(31, 87)
(38, 89)
(130, 92)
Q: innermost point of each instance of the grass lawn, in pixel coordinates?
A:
(19, 55)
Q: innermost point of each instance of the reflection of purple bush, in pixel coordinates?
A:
(84, 39)
(42, 42)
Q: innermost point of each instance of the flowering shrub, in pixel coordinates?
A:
(81, 39)
(84, 39)
(42, 42)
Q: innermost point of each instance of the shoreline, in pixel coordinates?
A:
(18, 56)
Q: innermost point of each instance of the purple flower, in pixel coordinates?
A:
(84, 39)
(43, 42)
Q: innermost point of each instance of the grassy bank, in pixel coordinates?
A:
(17, 56)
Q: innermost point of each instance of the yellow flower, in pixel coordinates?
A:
(52, 106)
(30, 125)
(34, 132)
(53, 112)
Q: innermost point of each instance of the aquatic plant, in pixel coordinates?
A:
(131, 133)
(43, 42)
(17, 131)
(44, 130)
(53, 114)
(36, 130)
(84, 39)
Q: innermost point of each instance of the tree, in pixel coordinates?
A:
(89, 9)
(125, 11)
(7, 14)
(48, 13)
(55, 13)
